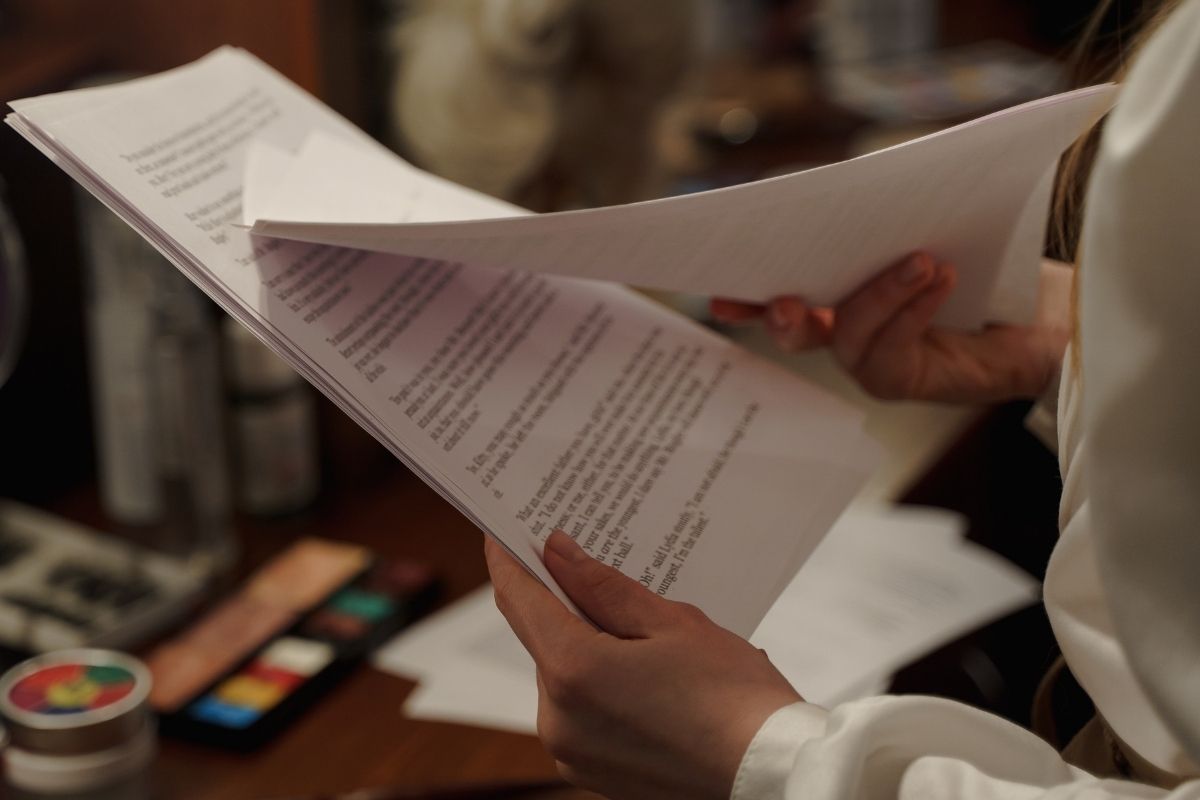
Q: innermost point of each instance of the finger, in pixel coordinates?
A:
(795, 326)
(617, 603)
(859, 318)
(537, 617)
(910, 323)
(733, 311)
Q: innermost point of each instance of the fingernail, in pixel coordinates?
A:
(779, 315)
(915, 270)
(796, 311)
(946, 274)
(565, 547)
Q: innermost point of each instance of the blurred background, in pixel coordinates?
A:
(551, 104)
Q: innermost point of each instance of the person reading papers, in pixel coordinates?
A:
(657, 701)
(537, 401)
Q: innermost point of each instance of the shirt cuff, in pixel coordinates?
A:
(768, 762)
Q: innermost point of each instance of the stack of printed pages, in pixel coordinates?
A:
(496, 353)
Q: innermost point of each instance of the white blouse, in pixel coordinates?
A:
(1123, 586)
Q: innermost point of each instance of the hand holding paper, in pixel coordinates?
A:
(624, 706)
(883, 336)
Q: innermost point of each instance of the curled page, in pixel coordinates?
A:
(976, 195)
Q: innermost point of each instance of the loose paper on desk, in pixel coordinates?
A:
(529, 401)
(976, 195)
(885, 587)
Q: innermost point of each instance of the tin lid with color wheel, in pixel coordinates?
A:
(74, 701)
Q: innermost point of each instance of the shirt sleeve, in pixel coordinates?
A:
(1140, 289)
(914, 748)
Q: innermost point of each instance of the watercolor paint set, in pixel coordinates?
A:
(302, 622)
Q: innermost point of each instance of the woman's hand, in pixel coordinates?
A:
(660, 702)
(882, 336)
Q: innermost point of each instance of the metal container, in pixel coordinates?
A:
(78, 725)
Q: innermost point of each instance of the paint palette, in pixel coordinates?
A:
(242, 699)
(291, 666)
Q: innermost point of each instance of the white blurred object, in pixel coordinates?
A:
(475, 93)
(495, 95)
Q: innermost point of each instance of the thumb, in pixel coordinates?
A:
(616, 603)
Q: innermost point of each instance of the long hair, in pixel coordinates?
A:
(1066, 217)
(1067, 209)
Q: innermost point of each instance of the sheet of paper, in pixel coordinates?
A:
(470, 629)
(471, 694)
(266, 169)
(976, 195)
(886, 586)
(334, 179)
(530, 401)
(881, 590)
